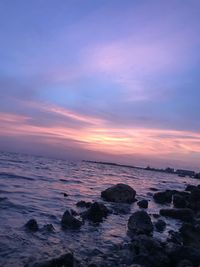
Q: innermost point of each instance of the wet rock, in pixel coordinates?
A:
(149, 252)
(175, 237)
(120, 193)
(179, 201)
(177, 253)
(96, 212)
(70, 222)
(153, 189)
(140, 223)
(163, 197)
(73, 212)
(185, 263)
(155, 215)
(143, 204)
(83, 204)
(190, 234)
(32, 225)
(66, 260)
(195, 194)
(190, 187)
(160, 225)
(180, 214)
(48, 228)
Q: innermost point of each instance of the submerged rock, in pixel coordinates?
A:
(120, 193)
(70, 222)
(181, 214)
(48, 228)
(96, 212)
(32, 225)
(140, 223)
(143, 204)
(160, 225)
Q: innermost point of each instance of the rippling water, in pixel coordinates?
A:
(34, 187)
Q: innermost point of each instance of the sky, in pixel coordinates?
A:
(106, 80)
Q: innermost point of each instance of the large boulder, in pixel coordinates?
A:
(180, 214)
(163, 197)
(140, 223)
(96, 212)
(120, 193)
(69, 221)
(148, 252)
(177, 253)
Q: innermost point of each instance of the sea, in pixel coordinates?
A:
(34, 187)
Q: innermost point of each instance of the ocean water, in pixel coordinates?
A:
(34, 187)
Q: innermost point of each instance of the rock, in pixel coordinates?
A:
(179, 201)
(190, 234)
(153, 189)
(66, 260)
(160, 225)
(48, 228)
(195, 194)
(177, 253)
(190, 187)
(185, 263)
(143, 204)
(96, 212)
(155, 215)
(83, 204)
(140, 223)
(180, 214)
(70, 222)
(122, 208)
(120, 193)
(163, 197)
(175, 237)
(149, 252)
(65, 194)
(32, 225)
(73, 212)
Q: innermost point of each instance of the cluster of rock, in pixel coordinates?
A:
(181, 249)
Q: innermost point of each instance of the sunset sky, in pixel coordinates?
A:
(110, 80)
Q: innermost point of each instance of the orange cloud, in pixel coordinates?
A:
(98, 136)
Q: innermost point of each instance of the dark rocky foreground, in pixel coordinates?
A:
(180, 249)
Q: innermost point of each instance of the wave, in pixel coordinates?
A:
(14, 176)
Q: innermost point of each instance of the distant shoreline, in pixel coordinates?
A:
(179, 172)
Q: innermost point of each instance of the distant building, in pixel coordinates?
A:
(185, 172)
